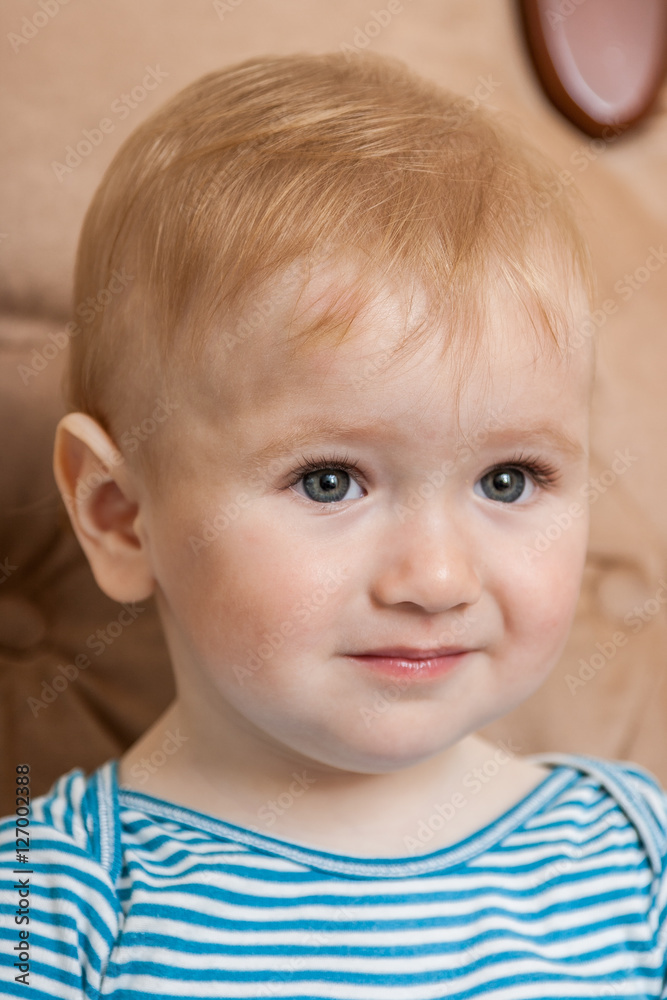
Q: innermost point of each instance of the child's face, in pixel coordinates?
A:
(271, 584)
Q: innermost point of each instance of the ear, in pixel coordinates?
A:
(101, 498)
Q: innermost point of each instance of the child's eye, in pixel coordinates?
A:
(326, 482)
(505, 484)
(509, 483)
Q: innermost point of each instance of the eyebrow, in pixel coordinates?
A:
(547, 434)
(308, 433)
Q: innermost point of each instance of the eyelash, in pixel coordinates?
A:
(543, 474)
(338, 462)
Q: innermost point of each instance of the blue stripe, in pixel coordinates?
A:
(593, 834)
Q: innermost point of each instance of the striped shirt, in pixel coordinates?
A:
(565, 895)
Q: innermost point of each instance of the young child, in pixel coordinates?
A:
(340, 390)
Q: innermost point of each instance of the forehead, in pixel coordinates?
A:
(296, 339)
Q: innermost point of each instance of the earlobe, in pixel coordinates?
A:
(103, 505)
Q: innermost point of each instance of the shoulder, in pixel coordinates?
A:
(77, 816)
(629, 790)
(59, 863)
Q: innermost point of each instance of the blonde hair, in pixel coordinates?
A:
(282, 159)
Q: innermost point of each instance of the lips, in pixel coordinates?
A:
(410, 653)
(410, 663)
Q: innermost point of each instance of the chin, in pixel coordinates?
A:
(388, 748)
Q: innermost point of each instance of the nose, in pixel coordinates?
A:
(428, 562)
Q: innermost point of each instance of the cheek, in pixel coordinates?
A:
(550, 585)
(252, 582)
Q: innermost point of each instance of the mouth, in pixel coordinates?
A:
(412, 664)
